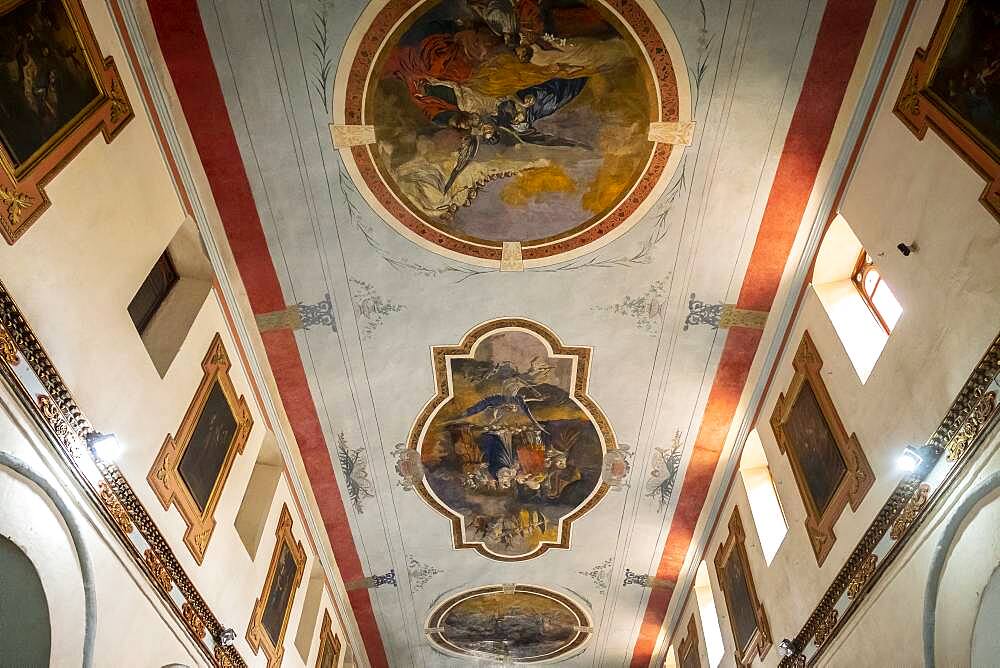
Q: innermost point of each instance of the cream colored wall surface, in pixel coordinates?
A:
(114, 210)
(902, 190)
(131, 630)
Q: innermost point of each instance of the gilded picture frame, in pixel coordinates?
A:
(68, 92)
(329, 644)
(736, 581)
(192, 489)
(288, 562)
(687, 650)
(825, 448)
(926, 101)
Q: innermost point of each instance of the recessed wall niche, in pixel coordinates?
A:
(165, 323)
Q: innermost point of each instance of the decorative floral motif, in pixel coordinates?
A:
(12, 205)
(864, 572)
(909, 99)
(662, 477)
(617, 465)
(119, 105)
(700, 313)
(973, 425)
(115, 507)
(318, 314)
(160, 573)
(56, 422)
(631, 577)
(383, 580)
(192, 619)
(909, 512)
(354, 466)
(420, 573)
(646, 311)
(825, 628)
(8, 350)
(600, 574)
(370, 307)
(409, 467)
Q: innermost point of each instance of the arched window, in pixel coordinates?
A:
(24, 615)
(876, 293)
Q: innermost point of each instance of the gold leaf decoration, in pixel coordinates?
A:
(861, 576)
(117, 510)
(12, 205)
(825, 628)
(8, 350)
(972, 426)
(192, 619)
(909, 512)
(159, 571)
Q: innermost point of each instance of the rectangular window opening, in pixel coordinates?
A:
(153, 291)
(709, 617)
(765, 507)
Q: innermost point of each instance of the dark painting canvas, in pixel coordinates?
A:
(205, 454)
(45, 82)
(741, 612)
(328, 654)
(815, 448)
(967, 77)
(690, 658)
(279, 596)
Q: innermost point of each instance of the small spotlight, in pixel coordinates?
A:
(906, 249)
(786, 648)
(105, 446)
(909, 460)
(227, 637)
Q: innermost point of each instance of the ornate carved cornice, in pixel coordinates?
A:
(31, 375)
(948, 450)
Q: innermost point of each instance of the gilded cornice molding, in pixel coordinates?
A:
(947, 452)
(31, 375)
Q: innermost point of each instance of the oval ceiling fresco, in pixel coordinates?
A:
(523, 623)
(511, 122)
(512, 449)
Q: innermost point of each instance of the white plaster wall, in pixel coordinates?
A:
(130, 628)
(902, 190)
(114, 210)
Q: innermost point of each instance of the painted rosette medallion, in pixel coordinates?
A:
(522, 623)
(512, 122)
(512, 448)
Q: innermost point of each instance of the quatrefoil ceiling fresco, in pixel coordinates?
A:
(512, 448)
(504, 124)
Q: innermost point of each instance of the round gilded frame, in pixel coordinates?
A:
(645, 24)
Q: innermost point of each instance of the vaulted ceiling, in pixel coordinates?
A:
(511, 263)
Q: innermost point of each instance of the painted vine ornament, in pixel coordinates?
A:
(58, 94)
(511, 447)
(37, 384)
(507, 146)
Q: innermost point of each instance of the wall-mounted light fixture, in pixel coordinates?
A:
(104, 446)
(909, 459)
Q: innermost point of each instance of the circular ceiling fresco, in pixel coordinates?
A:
(525, 623)
(511, 121)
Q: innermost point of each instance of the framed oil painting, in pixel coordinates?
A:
(953, 86)
(747, 619)
(829, 466)
(270, 613)
(687, 651)
(56, 93)
(329, 644)
(192, 466)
